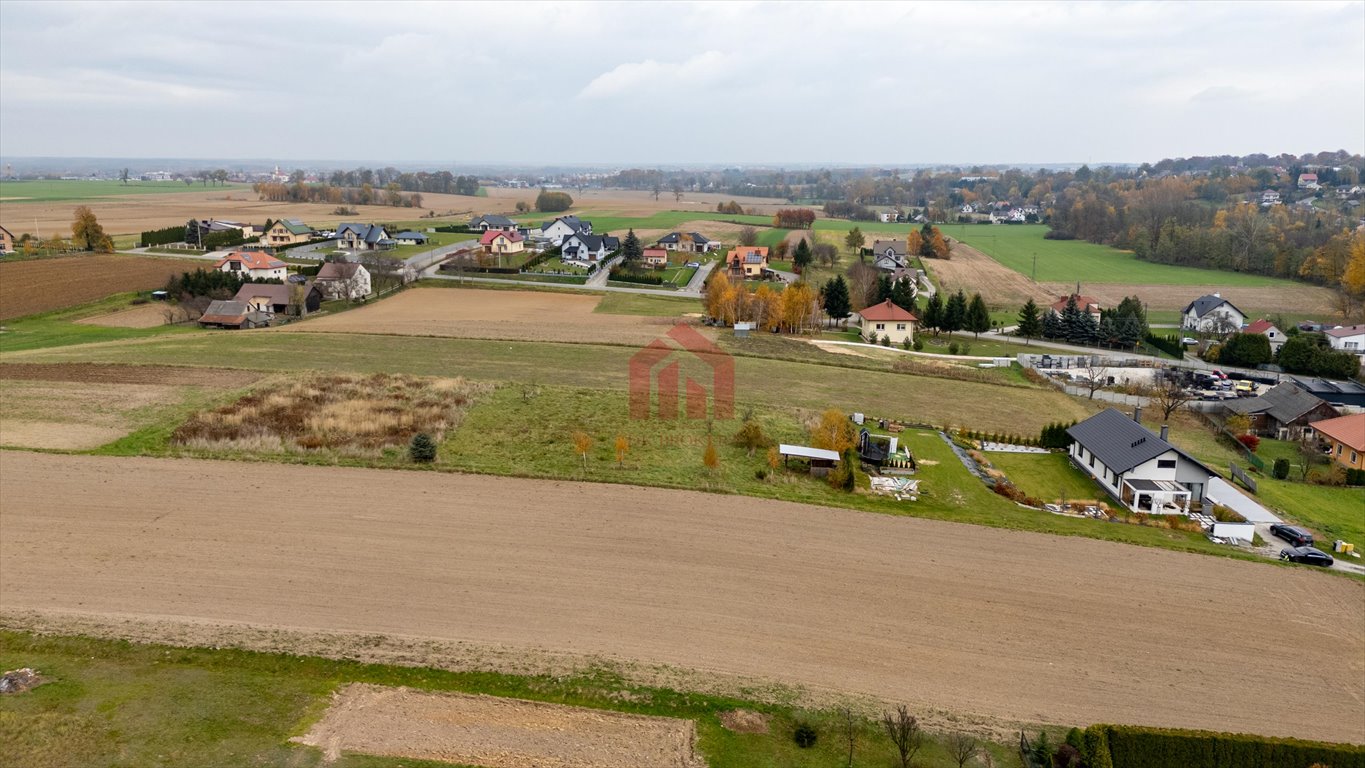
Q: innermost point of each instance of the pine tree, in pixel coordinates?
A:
(802, 257)
(883, 287)
(1029, 324)
(903, 294)
(1073, 328)
(835, 299)
(978, 318)
(422, 449)
(933, 313)
(955, 313)
(631, 249)
(1087, 330)
(1052, 326)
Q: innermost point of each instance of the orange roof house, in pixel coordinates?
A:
(1086, 303)
(257, 264)
(1346, 435)
(886, 320)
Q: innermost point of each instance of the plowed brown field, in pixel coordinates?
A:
(42, 285)
(1004, 625)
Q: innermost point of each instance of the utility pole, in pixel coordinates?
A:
(1034, 276)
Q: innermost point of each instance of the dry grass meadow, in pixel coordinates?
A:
(475, 314)
(76, 415)
(346, 414)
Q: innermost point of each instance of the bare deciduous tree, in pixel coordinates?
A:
(1096, 376)
(850, 723)
(1170, 397)
(748, 236)
(962, 748)
(905, 733)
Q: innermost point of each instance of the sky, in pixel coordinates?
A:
(651, 83)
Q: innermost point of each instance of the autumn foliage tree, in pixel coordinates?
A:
(794, 218)
(86, 232)
(582, 443)
(833, 432)
(622, 448)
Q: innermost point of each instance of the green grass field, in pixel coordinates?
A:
(59, 329)
(1047, 476)
(1070, 260)
(74, 190)
(645, 305)
(114, 703)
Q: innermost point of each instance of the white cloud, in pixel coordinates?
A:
(662, 78)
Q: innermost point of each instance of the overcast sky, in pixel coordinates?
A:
(656, 83)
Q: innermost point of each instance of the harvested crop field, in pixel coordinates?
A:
(498, 733)
(42, 285)
(142, 316)
(1029, 628)
(113, 373)
(476, 314)
(77, 416)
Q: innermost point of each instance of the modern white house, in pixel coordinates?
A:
(1137, 467)
(1212, 314)
(588, 249)
(343, 280)
(564, 226)
(889, 255)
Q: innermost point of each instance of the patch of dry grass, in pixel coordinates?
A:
(348, 414)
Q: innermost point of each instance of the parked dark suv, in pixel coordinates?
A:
(1296, 536)
(1307, 555)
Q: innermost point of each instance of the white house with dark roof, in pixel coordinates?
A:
(493, 221)
(889, 255)
(1136, 466)
(364, 237)
(564, 226)
(1212, 314)
(588, 249)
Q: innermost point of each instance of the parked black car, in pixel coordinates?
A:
(1296, 536)
(1307, 555)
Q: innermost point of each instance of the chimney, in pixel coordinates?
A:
(1165, 431)
(1137, 414)
(1217, 295)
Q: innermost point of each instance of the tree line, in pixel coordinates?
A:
(366, 194)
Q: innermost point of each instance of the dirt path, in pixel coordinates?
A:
(1026, 627)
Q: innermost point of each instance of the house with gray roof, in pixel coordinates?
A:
(364, 237)
(1136, 466)
(889, 255)
(233, 314)
(410, 237)
(688, 242)
(588, 249)
(1212, 314)
(564, 226)
(1284, 411)
(493, 221)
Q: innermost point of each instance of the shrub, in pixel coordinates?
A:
(918, 345)
(1119, 746)
(886, 340)
(751, 437)
(952, 348)
(905, 343)
(1280, 470)
(553, 202)
(805, 736)
(760, 474)
(965, 348)
(422, 449)
(1250, 442)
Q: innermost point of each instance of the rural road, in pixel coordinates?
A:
(1062, 630)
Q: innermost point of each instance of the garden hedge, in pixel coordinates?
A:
(1121, 746)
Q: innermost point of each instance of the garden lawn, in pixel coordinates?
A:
(114, 703)
(616, 303)
(1333, 512)
(1071, 260)
(1046, 476)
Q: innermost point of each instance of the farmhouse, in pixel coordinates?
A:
(256, 265)
(1212, 314)
(343, 280)
(1283, 411)
(748, 262)
(493, 222)
(1347, 338)
(1267, 329)
(287, 232)
(409, 237)
(499, 241)
(1137, 467)
(1308, 181)
(1345, 436)
(1085, 303)
(6, 241)
(564, 226)
(364, 237)
(688, 242)
(886, 319)
(889, 255)
(294, 299)
(655, 257)
(232, 314)
(588, 249)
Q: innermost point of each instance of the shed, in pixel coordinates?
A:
(821, 460)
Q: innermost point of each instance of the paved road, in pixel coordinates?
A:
(599, 278)
(1058, 629)
(694, 286)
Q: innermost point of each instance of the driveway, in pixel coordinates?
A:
(1274, 544)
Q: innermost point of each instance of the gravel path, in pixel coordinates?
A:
(1028, 627)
